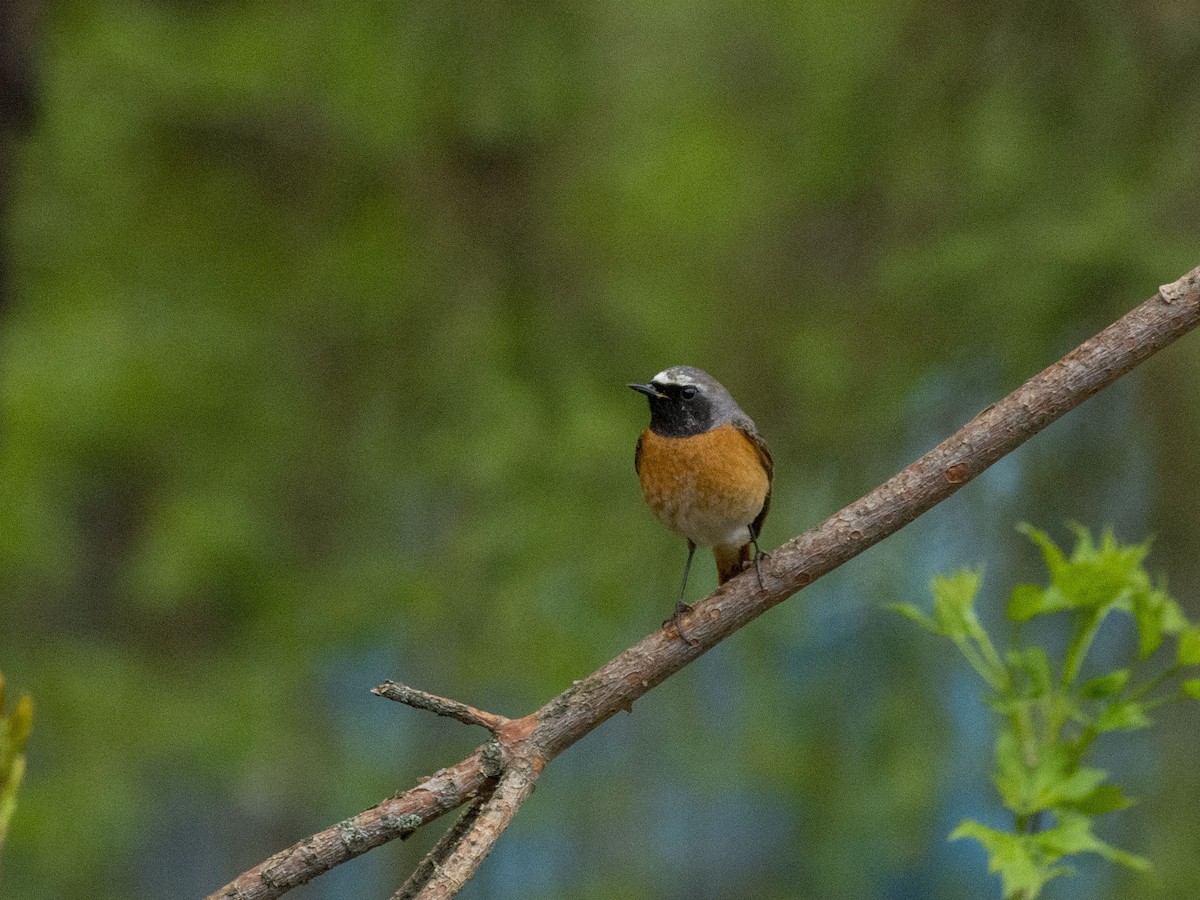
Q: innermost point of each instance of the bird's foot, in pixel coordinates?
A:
(680, 608)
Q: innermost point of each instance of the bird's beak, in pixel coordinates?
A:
(648, 389)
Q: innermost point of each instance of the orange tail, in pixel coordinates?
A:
(730, 561)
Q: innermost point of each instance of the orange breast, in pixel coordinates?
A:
(707, 488)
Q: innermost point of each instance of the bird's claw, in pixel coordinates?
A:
(680, 608)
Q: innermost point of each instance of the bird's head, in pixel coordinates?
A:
(686, 401)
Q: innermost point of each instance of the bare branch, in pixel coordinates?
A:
(452, 709)
(396, 817)
(514, 789)
(523, 746)
(446, 844)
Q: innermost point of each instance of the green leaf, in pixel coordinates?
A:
(1173, 619)
(954, 603)
(1074, 788)
(909, 611)
(1189, 647)
(1128, 715)
(954, 613)
(1091, 584)
(1105, 798)
(1110, 550)
(1014, 857)
(1052, 781)
(1105, 685)
(1096, 574)
(1156, 614)
(1073, 834)
(1027, 601)
(1012, 775)
(1191, 688)
(1102, 577)
(1051, 554)
(1124, 857)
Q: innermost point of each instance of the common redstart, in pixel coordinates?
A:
(705, 472)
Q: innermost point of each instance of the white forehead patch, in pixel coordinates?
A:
(665, 377)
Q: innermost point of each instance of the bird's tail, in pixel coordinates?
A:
(731, 560)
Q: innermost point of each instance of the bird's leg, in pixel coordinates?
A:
(680, 606)
(758, 554)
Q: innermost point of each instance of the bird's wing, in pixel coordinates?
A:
(764, 456)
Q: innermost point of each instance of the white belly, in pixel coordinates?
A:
(704, 524)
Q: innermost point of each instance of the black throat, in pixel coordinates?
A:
(677, 418)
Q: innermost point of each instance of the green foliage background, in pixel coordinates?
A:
(314, 377)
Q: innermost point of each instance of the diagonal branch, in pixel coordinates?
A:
(522, 747)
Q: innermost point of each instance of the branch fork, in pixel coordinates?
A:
(512, 761)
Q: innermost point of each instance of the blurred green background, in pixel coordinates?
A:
(313, 375)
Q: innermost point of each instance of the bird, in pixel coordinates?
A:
(705, 471)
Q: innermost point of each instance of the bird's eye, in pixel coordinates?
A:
(688, 393)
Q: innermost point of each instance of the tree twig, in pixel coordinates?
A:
(522, 747)
(470, 848)
(452, 709)
(396, 817)
(433, 860)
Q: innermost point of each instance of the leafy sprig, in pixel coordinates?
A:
(14, 732)
(1048, 717)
